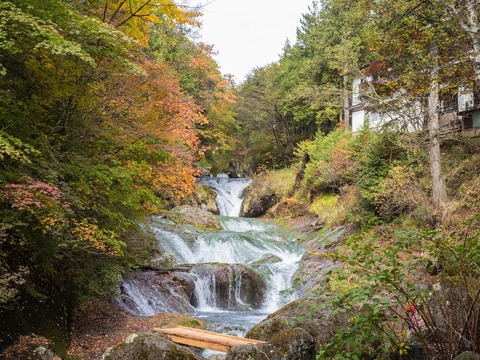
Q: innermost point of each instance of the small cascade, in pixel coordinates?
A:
(229, 193)
(174, 244)
(205, 298)
(227, 287)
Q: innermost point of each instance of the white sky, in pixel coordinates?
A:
(250, 33)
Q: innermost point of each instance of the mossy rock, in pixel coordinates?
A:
(186, 214)
(288, 208)
(321, 324)
(149, 347)
(289, 344)
(167, 320)
(206, 197)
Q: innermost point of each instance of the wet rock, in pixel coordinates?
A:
(186, 214)
(236, 286)
(233, 173)
(289, 344)
(164, 262)
(322, 325)
(149, 347)
(312, 273)
(148, 293)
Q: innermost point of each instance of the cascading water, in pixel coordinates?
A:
(229, 193)
(240, 274)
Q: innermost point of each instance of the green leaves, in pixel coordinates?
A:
(12, 148)
(16, 24)
(385, 287)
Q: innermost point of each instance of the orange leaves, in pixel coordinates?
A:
(175, 179)
(92, 238)
(164, 112)
(150, 118)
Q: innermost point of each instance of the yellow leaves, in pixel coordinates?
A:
(135, 16)
(402, 348)
(153, 18)
(178, 13)
(90, 236)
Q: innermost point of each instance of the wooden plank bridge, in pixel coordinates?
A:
(205, 339)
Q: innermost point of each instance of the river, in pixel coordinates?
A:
(243, 247)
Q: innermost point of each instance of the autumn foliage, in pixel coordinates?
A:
(102, 124)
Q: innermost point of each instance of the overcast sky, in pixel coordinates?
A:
(250, 33)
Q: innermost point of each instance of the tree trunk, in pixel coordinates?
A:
(300, 173)
(346, 103)
(438, 185)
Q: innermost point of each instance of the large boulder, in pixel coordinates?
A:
(289, 344)
(186, 214)
(149, 347)
(257, 203)
(163, 262)
(206, 198)
(321, 324)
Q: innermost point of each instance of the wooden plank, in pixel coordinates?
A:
(223, 335)
(200, 344)
(217, 338)
(204, 338)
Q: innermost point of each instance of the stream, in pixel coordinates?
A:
(236, 276)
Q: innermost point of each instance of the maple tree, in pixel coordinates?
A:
(154, 125)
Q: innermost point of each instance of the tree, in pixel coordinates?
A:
(465, 14)
(265, 136)
(419, 51)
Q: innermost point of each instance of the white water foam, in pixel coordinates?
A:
(229, 193)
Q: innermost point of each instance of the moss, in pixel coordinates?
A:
(171, 320)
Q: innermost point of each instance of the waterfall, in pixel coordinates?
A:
(229, 193)
(239, 274)
(205, 291)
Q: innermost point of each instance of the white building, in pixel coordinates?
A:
(458, 115)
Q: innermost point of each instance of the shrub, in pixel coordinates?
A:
(290, 207)
(400, 193)
(402, 287)
(330, 161)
